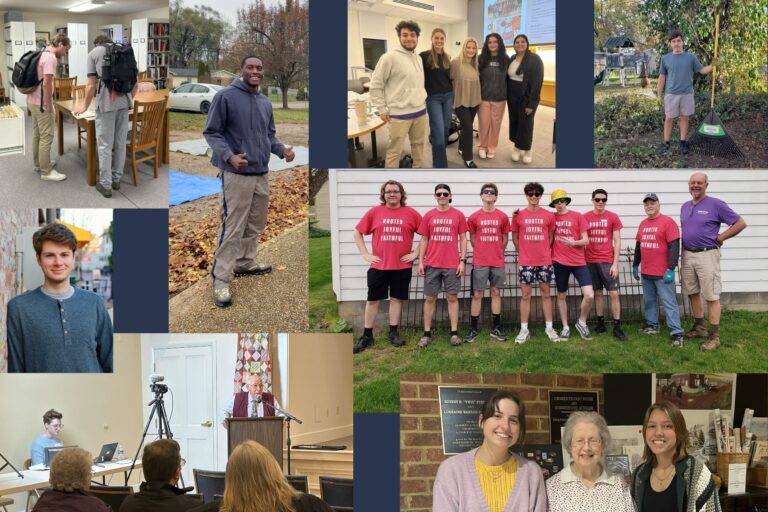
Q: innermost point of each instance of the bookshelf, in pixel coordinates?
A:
(151, 42)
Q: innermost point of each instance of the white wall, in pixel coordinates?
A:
(744, 263)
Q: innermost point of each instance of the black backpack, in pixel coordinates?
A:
(119, 71)
(24, 76)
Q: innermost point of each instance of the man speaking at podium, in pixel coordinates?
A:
(254, 403)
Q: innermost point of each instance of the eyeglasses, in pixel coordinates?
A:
(533, 194)
(54, 425)
(442, 194)
(579, 443)
(390, 192)
(183, 462)
(563, 200)
(489, 192)
(600, 199)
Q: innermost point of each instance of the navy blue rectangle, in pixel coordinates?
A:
(377, 462)
(140, 280)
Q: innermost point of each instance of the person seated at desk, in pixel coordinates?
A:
(250, 404)
(161, 461)
(49, 438)
(70, 479)
(254, 481)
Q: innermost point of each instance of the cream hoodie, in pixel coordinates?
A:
(397, 84)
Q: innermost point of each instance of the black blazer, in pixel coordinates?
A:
(532, 69)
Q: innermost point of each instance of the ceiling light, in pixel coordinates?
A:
(87, 6)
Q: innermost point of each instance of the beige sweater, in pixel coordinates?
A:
(466, 83)
(397, 83)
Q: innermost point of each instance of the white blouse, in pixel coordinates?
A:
(567, 493)
(512, 71)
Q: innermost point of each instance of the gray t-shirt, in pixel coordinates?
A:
(679, 69)
(104, 101)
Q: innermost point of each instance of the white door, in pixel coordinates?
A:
(189, 404)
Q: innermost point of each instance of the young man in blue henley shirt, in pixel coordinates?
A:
(56, 328)
(241, 132)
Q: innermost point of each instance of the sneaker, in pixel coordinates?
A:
(515, 154)
(222, 297)
(115, 185)
(677, 340)
(527, 157)
(470, 164)
(619, 334)
(363, 342)
(523, 336)
(649, 329)
(483, 153)
(499, 334)
(698, 331)
(684, 148)
(471, 335)
(106, 192)
(712, 343)
(600, 327)
(663, 148)
(565, 333)
(583, 331)
(256, 270)
(424, 341)
(455, 340)
(552, 334)
(53, 175)
(395, 340)
(53, 164)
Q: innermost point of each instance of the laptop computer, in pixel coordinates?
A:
(51, 452)
(106, 454)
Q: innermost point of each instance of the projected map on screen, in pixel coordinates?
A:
(534, 18)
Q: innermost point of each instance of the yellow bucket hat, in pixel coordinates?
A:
(558, 194)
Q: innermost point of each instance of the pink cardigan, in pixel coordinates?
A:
(457, 488)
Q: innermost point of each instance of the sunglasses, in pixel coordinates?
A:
(442, 194)
(559, 201)
(533, 194)
(600, 199)
(489, 192)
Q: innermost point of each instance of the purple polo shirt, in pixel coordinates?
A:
(701, 222)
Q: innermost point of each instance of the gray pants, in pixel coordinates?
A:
(111, 130)
(244, 207)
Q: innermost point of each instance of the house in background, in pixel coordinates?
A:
(182, 75)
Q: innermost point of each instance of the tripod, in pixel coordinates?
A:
(163, 425)
(8, 463)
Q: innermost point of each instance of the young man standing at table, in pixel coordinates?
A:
(112, 109)
(40, 105)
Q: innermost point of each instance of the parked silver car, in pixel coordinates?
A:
(194, 97)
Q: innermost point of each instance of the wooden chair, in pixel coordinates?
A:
(145, 134)
(78, 94)
(63, 88)
(298, 482)
(208, 483)
(111, 495)
(336, 492)
(4, 502)
(2, 90)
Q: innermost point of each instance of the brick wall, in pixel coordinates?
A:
(421, 449)
(11, 222)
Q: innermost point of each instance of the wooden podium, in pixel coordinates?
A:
(265, 431)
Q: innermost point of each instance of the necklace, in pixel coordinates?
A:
(660, 481)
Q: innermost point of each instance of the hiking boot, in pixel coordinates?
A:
(471, 335)
(677, 340)
(619, 334)
(53, 175)
(649, 329)
(684, 148)
(552, 334)
(222, 297)
(600, 327)
(565, 333)
(395, 340)
(697, 331)
(712, 343)
(455, 340)
(106, 192)
(37, 167)
(663, 148)
(583, 331)
(499, 334)
(424, 341)
(523, 336)
(256, 270)
(363, 342)
(115, 185)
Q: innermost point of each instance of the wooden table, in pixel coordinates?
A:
(65, 108)
(355, 130)
(10, 483)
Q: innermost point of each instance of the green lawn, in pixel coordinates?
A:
(190, 121)
(323, 310)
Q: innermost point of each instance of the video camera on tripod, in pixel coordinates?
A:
(155, 387)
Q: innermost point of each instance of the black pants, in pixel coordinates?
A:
(466, 117)
(520, 123)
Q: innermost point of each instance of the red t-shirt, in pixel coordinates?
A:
(570, 224)
(600, 229)
(533, 230)
(488, 229)
(654, 236)
(393, 230)
(443, 230)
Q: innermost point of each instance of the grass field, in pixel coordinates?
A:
(190, 121)
(323, 310)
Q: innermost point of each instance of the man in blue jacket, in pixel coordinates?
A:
(241, 132)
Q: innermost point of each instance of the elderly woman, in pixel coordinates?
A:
(585, 486)
(70, 479)
(466, 96)
(489, 477)
(670, 480)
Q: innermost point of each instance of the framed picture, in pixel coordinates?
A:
(41, 39)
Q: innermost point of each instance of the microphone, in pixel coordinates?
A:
(155, 378)
(258, 399)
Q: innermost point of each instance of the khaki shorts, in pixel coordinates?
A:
(701, 273)
(676, 105)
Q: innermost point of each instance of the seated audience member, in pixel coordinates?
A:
(70, 479)
(254, 481)
(585, 485)
(49, 438)
(161, 463)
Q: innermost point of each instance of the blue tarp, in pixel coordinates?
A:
(187, 187)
